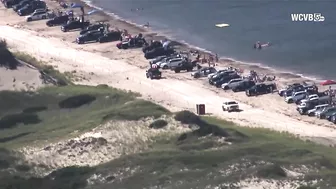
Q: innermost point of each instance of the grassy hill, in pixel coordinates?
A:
(212, 153)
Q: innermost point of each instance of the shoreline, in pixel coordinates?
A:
(259, 67)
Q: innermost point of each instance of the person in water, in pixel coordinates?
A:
(257, 45)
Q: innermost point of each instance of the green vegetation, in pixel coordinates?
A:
(158, 124)
(57, 111)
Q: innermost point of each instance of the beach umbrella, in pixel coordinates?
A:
(93, 11)
(328, 82)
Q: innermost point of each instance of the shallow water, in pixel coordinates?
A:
(302, 47)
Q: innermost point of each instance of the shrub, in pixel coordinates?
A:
(13, 137)
(136, 110)
(3, 44)
(4, 164)
(272, 172)
(76, 101)
(12, 120)
(35, 109)
(158, 124)
(306, 187)
(187, 117)
(182, 137)
(6, 57)
(22, 168)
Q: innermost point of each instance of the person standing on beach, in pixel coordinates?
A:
(217, 59)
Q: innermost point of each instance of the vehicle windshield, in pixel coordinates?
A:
(230, 103)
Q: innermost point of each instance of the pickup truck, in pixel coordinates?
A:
(260, 89)
(325, 112)
(296, 96)
(304, 107)
(281, 92)
(317, 109)
(230, 106)
(312, 97)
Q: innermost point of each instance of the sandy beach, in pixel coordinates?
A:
(105, 64)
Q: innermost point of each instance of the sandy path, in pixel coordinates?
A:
(22, 78)
(172, 92)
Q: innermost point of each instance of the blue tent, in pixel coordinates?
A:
(75, 5)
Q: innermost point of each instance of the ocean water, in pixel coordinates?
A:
(307, 48)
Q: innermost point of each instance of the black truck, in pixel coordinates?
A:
(185, 65)
(21, 4)
(217, 77)
(91, 28)
(225, 79)
(74, 24)
(59, 20)
(260, 89)
(31, 7)
(132, 43)
(160, 51)
(98, 36)
(243, 85)
(153, 45)
(89, 37)
(11, 3)
(110, 36)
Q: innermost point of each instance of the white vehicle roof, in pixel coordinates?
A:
(230, 102)
(312, 96)
(175, 59)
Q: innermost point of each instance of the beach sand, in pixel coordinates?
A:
(25, 77)
(125, 69)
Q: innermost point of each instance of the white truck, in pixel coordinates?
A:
(230, 106)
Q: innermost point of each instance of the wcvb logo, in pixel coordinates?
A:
(315, 17)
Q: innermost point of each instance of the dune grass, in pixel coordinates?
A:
(42, 66)
(55, 112)
(196, 162)
(217, 152)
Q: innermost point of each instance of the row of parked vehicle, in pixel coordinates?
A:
(310, 101)
(163, 56)
(231, 79)
(176, 62)
(27, 7)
